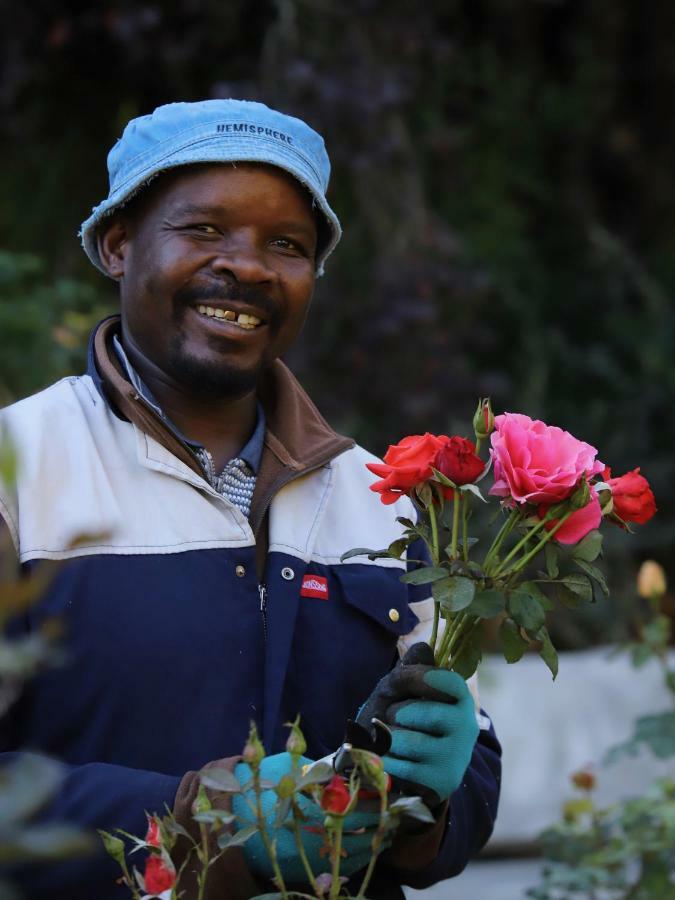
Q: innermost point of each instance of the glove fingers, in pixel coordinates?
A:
(429, 717)
(418, 654)
(449, 683)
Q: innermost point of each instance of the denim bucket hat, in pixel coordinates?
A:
(213, 131)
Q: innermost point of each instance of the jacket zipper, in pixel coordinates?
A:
(262, 591)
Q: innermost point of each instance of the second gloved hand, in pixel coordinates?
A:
(272, 768)
(434, 727)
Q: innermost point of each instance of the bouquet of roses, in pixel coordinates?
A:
(554, 496)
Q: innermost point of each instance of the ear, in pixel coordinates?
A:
(113, 242)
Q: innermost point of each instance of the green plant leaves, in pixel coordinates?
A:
(513, 643)
(487, 604)
(221, 780)
(595, 573)
(238, 838)
(552, 556)
(469, 657)
(526, 609)
(454, 593)
(574, 589)
(589, 548)
(548, 652)
(425, 575)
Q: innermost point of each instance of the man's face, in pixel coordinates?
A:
(217, 274)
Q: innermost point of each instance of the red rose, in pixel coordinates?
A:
(159, 876)
(153, 837)
(457, 460)
(405, 465)
(335, 797)
(632, 496)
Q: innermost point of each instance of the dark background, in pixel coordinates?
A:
(504, 172)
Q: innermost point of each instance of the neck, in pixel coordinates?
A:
(222, 424)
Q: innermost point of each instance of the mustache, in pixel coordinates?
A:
(250, 294)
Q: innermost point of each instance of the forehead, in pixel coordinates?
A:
(256, 187)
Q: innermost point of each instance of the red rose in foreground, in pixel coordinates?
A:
(457, 460)
(159, 875)
(632, 496)
(335, 797)
(153, 837)
(579, 523)
(405, 465)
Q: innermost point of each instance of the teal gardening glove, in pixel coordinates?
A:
(434, 728)
(272, 768)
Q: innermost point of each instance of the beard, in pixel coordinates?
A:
(217, 378)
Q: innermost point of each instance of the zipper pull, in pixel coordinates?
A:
(262, 591)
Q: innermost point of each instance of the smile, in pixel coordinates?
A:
(242, 320)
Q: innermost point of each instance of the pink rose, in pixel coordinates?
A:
(579, 523)
(538, 463)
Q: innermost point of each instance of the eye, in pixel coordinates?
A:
(204, 228)
(290, 245)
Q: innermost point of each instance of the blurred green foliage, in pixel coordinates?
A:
(503, 170)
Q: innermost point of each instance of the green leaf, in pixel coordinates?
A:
(357, 551)
(548, 652)
(565, 596)
(396, 548)
(526, 609)
(424, 494)
(443, 479)
(470, 656)
(658, 733)
(579, 585)
(532, 588)
(319, 773)
(487, 604)
(413, 808)
(513, 643)
(473, 489)
(114, 846)
(214, 817)
(407, 523)
(425, 575)
(589, 548)
(552, 555)
(282, 811)
(454, 593)
(238, 838)
(593, 572)
(221, 780)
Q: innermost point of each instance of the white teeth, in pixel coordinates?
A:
(243, 319)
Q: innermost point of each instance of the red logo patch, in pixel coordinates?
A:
(314, 586)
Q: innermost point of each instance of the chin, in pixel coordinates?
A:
(211, 379)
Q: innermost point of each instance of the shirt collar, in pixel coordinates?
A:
(251, 452)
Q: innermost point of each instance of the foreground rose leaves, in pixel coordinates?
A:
(159, 875)
(538, 463)
(405, 465)
(632, 496)
(335, 797)
(457, 460)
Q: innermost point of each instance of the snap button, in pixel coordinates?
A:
(394, 615)
(240, 571)
(287, 573)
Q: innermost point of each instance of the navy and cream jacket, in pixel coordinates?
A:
(183, 620)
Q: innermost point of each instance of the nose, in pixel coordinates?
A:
(242, 259)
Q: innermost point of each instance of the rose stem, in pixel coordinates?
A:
(434, 550)
(301, 849)
(524, 560)
(465, 638)
(455, 523)
(465, 526)
(503, 533)
(337, 859)
(378, 837)
(521, 543)
(270, 849)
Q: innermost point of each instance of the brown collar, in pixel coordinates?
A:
(297, 440)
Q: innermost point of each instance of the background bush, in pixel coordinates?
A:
(503, 170)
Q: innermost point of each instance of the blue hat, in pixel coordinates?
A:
(180, 134)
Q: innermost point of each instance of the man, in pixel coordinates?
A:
(215, 504)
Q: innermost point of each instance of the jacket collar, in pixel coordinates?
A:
(298, 439)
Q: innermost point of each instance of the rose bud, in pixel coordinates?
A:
(153, 837)
(296, 744)
(584, 779)
(253, 752)
(582, 496)
(457, 460)
(633, 498)
(159, 875)
(483, 420)
(286, 787)
(335, 797)
(651, 580)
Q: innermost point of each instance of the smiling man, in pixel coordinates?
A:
(202, 505)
